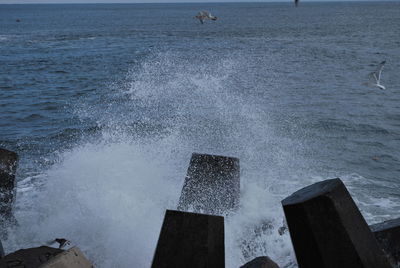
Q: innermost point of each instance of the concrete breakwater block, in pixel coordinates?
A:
(29, 258)
(261, 262)
(328, 230)
(1, 250)
(71, 258)
(388, 235)
(8, 167)
(190, 240)
(212, 184)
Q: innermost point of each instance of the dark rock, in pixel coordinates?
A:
(212, 185)
(29, 258)
(190, 240)
(8, 167)
(328, 230)
(388, 235)
(261, 262)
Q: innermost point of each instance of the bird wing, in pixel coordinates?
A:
(372, 79)
(206, 14)
(375, 77)
(378, 72)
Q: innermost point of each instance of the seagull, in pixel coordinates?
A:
(203, 15)
(375, 77)
(61, 241)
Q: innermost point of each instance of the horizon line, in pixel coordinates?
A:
(188, 2)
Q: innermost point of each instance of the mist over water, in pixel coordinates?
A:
(106, 116)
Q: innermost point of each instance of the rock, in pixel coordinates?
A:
(212, 185)
(328, 230)
(388, 235)
(29, 258)
(261, 262)
(8, 167)
(71, 258)
(190, 240)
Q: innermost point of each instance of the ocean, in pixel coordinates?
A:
(105, 103)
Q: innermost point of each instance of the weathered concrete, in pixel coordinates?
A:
(71, 258)
(1, 250)
(261, 262)
(29, 258)
(212, 185)
(328, 230)
(388, 235)
(8, 167)
(190, 240)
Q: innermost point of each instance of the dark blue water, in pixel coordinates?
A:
(105, 104)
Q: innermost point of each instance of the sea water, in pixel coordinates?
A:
(105, 103)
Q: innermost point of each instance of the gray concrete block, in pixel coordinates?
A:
(190, 240)
(328, 230)
(71, 258)
(8, 168)
(1, 250)
(212, 185)
(387, 234)
(261, 262)
(29, 258)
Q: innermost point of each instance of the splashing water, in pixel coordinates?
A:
(108, 194)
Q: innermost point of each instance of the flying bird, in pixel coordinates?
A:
(375, 77)
(205, 15)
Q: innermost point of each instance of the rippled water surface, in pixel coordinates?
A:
(106, 103)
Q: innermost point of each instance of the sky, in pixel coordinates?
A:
(149, 1)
